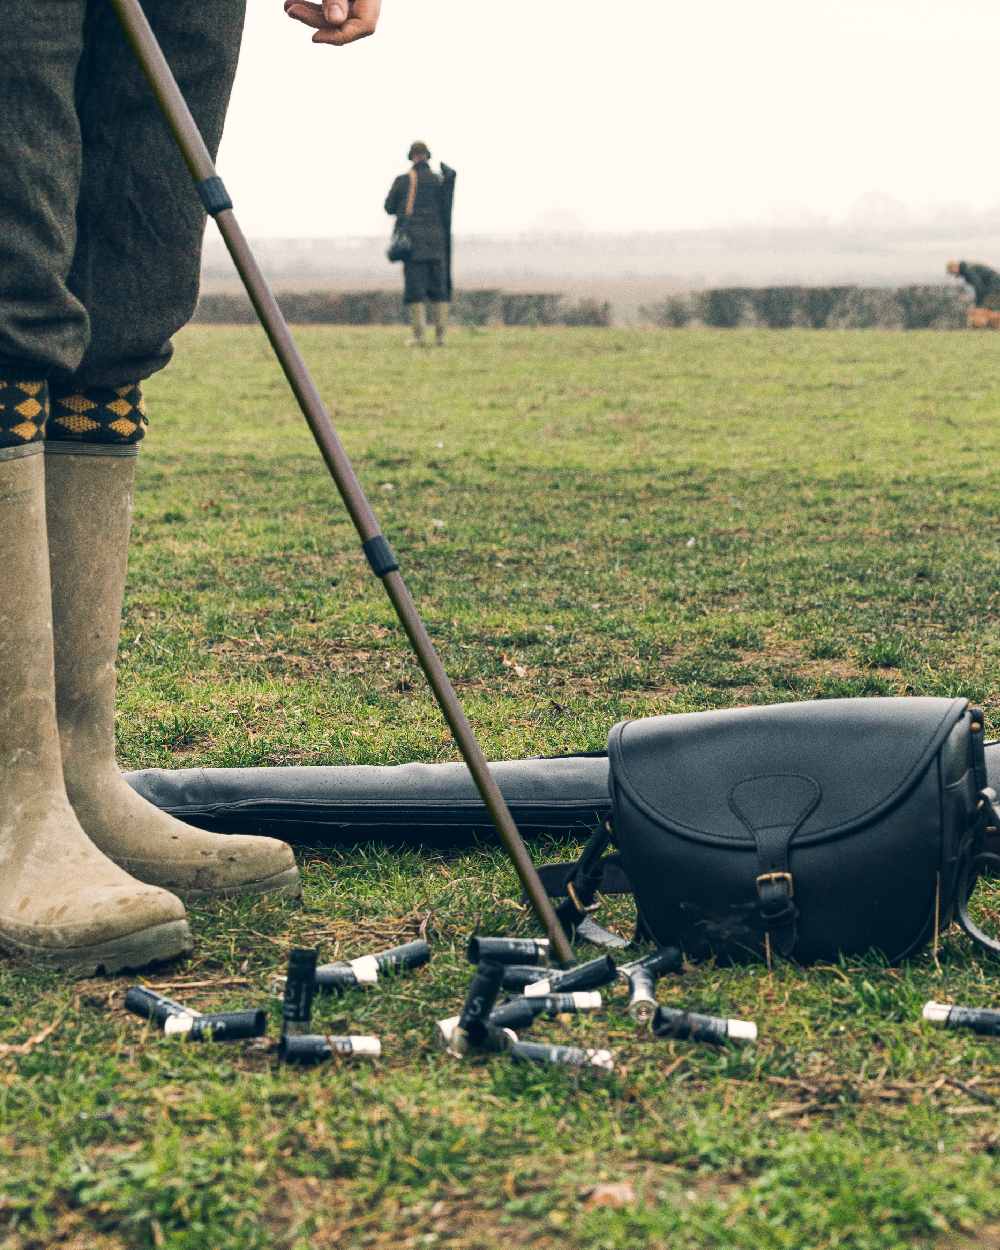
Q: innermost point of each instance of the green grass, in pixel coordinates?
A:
(595, 525)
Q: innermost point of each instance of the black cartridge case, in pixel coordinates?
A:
(517, 976)
(666, 959)
(690, 1026)
(520, 1012)
(300, 986)
(480, 1000)
(589, 976)
(503, 950)
(572, 1056)
(404, 958)
(457, 1042)
(152, 1006)
(977, 1019)
(309, 1049)
(223, 1026)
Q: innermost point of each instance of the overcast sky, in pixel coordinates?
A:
(619, 114)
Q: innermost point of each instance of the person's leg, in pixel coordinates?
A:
(437, 293)
(136, 269)
(415, 299)
(61, 900)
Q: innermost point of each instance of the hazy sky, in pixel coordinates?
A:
(619, 114)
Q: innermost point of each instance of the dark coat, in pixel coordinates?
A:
(985, 283)
(429, 227)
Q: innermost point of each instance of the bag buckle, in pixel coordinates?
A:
(778, 876)
(578, 903)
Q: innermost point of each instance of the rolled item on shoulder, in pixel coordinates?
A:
(309, 1049)
(571, 1056)
(455, 1040)
(480, 1000)
(142, 1001)
(589, 976)
(979, 1019)
(517, 976)
(223, 1026)
(300, 986)
(690, 1026)
(520, 1012)
(503, 950)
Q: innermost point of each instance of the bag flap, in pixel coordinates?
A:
(825, 766)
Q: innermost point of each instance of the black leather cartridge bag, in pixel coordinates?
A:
(801, 830)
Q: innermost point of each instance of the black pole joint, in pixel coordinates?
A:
(380, 556)
(214, 196)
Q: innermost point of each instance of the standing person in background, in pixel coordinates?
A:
(421, 201)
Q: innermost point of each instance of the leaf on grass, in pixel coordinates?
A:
(611, 1194)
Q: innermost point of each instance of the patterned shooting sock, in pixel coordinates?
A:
(100, 414)
(24, 406)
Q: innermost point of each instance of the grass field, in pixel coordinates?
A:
(596, 524)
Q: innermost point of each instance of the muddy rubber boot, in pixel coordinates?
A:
(89, 490)
(418, 326)
(61, 901)
(439, 314)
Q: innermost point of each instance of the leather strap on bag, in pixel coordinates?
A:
(979, 863)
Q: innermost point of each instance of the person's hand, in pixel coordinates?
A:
(336, 21)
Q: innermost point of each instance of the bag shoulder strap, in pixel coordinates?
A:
(980, 862)
(412, 196)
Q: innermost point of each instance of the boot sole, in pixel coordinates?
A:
(283, 885)
(155, 945)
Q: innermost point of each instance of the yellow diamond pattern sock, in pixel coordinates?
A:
(101, 414)
(24, 406)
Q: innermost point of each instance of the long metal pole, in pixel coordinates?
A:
(380, 556)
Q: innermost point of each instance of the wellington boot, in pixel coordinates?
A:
(61, 901)
(90, 513)
(439, 315)
(418, 325)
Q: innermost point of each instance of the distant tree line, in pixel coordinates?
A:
(366, 308)
(814, 307)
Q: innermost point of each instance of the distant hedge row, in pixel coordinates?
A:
(365, 308)
(815, 307)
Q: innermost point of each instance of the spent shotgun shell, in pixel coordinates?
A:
(517, 976)
(520, 1012)
(690, 1026)
(588, 976)
(308, 1049)
(145, 1002)
(336, 978)
(978, 1019)
(456, 1041)
(300, 986)
(222, 1026)
(642, 975)
(480, 1000)
(572, 1056)
(508, 950)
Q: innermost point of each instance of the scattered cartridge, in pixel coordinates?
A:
(350, 974)
(308, 1050)
(978, 1019)
(223, 1026)
(642, 976)
(142, 1001)
(517, 976)
(299, 989)
(456, 1042)
(520, 1012)
(473, 1023)
(571, 1056)
(689, 1026)
(588, 976)
(508, 950)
